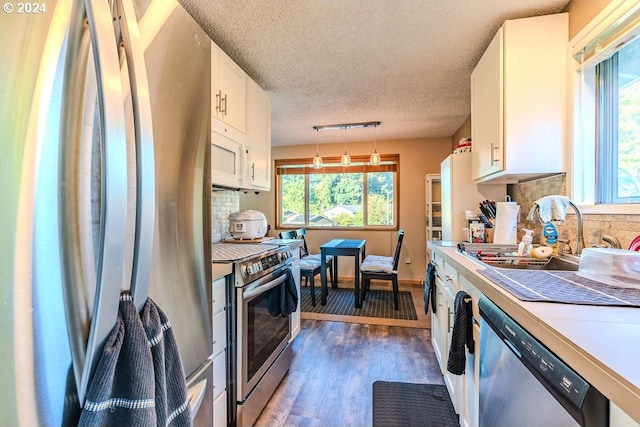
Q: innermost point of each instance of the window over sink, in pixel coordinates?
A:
(605, 154)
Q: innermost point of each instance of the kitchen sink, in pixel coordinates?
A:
(499, 256)
(554, 263)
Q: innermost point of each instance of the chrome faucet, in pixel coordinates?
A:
(612, 241)
(580, 230)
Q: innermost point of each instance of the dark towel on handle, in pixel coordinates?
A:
(172, 402)
(289, 295)
(139, 379)
(283, 299)
(430, 288)
(462, 334)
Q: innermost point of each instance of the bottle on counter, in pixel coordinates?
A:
(550, 235)
(526, 244)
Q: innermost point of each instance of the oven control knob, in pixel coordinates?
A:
(255, 267)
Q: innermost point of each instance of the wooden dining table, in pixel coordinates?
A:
(342, 247)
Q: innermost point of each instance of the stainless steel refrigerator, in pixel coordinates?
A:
(104, 147)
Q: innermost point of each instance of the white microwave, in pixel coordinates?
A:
(229, 157)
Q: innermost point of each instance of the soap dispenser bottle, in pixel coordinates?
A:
(525, 246)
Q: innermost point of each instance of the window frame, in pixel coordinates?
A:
(360, 164)
(615, 25)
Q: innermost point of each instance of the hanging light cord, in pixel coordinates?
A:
(375, 139)
(345, 140)
(317, 160)
(375, 157)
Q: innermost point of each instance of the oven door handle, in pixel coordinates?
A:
(259, 289)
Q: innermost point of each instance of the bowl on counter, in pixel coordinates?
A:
(615, 267)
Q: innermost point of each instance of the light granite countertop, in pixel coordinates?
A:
(601, 343)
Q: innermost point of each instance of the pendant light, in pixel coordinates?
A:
(374, 160)
(317, 160)
(345, 160)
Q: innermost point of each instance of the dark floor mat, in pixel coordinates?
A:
(398, 404)
(379, 303)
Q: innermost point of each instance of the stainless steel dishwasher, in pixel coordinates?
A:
(523, 384)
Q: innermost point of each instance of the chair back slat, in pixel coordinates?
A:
(291, 234)
(300, 234)
(396, 257)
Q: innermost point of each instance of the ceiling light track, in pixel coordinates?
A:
(347, 126)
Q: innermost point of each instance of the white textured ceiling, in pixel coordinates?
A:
(405, 63)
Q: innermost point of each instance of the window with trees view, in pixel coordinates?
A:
(605, 150)
(618, 125)
(360, 195)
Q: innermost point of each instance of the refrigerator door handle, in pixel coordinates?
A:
(145, 157)
(195, 396)
(113, 195)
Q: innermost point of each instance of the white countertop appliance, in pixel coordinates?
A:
(247, 225)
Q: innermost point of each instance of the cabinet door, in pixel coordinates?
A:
(219, 295)
(439, 326)
(220, 410)
(228, 90)
(219, 332)
(433, 207)
(259, 136)
(454, 383)
(487, 111)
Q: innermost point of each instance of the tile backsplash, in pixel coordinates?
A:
(223, 202)
(623, 227)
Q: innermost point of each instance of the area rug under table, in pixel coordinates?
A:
(379, 303)
(412, 405)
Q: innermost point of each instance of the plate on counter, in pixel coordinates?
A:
(635, 244)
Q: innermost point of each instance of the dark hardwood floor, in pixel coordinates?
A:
(334, 368)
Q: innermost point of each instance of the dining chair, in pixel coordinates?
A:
(310, 265)
(380, 267)
(304, 254)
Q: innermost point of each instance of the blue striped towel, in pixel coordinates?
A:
(139, 379)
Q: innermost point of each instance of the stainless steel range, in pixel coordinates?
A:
(258, 338)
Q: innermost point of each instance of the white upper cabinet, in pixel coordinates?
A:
(228, 90)
(519, 101)
(258, 136)
(241, 127)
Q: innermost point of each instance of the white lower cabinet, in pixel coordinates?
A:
(463, 389)
(219, 352)
(619, 418)
(220, 410)
(439, 326)
(219, 332)
(453, 382)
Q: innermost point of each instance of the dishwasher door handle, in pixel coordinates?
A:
(513, 348)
